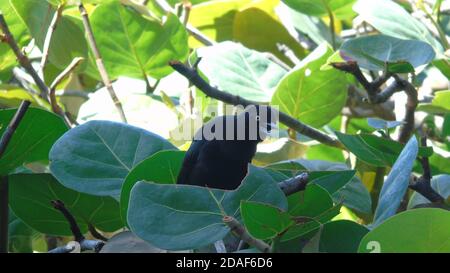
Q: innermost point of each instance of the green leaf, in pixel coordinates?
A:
(341, 8)
(257, 26)
(214, 19)
(11, 96)
(20, 235)
(439, 105)
(32, 139)
(374, 51)
(312, 26)
(162, 167)
(341, 236)
(391, 19)
(375, 150)
(240, 71)
(440, 183)
(264, 221)
(95, 157)
(396, 183)
(176, 217)
(309, 94)
(334, 181)
(354, 194)
(310, 203)
(20, 34)
(420, 230)
(68, 40)
(134, 46)
(30, 200)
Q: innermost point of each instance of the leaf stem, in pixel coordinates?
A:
(99, 61)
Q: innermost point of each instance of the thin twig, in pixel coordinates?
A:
(408, 121)
(59, 205)
(4, 184)
(422, 185)
(64, 74)
(192, 75)
(187, 7)
(96, 234)
(240, 231)
(164, 6)
(84, 244)
(48, 38)
(23, 60)
(99, 62)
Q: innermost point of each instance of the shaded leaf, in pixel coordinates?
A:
(30, 200)
(95, 157)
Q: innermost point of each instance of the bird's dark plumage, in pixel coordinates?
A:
(221, 161)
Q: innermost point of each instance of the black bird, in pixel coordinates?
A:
(221, 150)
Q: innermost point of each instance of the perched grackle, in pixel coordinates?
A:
(221, 150)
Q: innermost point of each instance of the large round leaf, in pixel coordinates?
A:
(240, 71)
(391, 19)
(372, 52)
(32, 139)
(68, 40)
(162, 167)
(420, 230)
(30, 200)
(95, 157)
(177, 217)
(134, 46)
(309, 94)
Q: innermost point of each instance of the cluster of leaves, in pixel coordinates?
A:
(112, 175)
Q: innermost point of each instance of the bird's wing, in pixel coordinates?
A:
(190, 160)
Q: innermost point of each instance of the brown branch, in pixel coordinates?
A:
(59, 205)
(84, 244)
(99, 62)
(97, 235)
(192, 75)
(48, 37)
(240, 231)
(8, 38)
(376, 97)
(411, 104)
(422, 184)
(294, 184)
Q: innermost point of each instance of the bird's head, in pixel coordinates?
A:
(260, 121)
